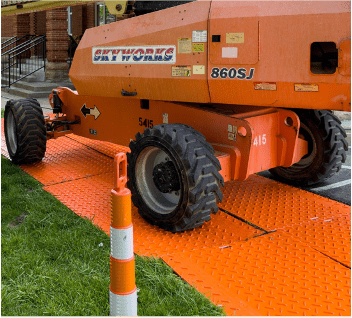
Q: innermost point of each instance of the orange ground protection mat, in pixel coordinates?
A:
(301, 269)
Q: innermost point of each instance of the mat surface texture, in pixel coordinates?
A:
(271, 250)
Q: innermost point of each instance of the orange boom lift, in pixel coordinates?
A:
(203, 93)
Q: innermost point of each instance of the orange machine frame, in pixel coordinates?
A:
(246, 143)
(233, 67)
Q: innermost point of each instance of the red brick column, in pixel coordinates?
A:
(21, 28)
(33, 29)
(21, 25)
(7, 26)
(77, 21)
(57, 44)
(90, 15)
(41, 23)
(37, 25)
(32, 23)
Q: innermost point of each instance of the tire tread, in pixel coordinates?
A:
(335, 148)
(31, 132)
(203, 174)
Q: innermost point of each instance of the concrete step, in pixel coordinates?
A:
(35, 86)
(35, 77)
(35, 89)
(26, 93)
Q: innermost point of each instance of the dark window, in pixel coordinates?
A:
(323, 58)
(216, 38)
(145, 103)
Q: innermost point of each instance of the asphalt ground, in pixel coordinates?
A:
(337, 188)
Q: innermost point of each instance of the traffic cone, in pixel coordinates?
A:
(123, 290)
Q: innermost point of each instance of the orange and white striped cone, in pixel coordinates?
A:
(123, 290)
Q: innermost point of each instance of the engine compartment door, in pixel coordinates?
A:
(233, 33)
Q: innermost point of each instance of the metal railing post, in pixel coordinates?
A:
(20, 64)
(9, 71)
(44, 51)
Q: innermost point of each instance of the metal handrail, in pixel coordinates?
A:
(30, 47)
(10, 39)
(19, 46)
(15, 41)
(18, 54)
(16, 68)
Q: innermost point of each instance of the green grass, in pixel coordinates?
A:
(2, 113)
(52, 264)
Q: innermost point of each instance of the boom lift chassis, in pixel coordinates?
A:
(232, 105)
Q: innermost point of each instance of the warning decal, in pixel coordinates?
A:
(306, 88)
(154, 54)
(234, 37)
(181, 71)
(199, 36)
(198, 47)
(265, 86)
(184, 45)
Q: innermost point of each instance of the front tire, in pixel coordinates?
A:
(174, 177)
(327, 148)
(25, 132)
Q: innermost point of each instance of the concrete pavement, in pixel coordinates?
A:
(44, 102)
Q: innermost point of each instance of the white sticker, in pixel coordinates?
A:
(199, 69)
(229, 52)
(153, 54)
(199, 36)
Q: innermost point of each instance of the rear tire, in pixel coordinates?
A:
(25, 132)
(327, 148)
(173, 176)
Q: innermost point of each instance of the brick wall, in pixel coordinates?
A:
(33, 23)
(56, 34)
(90, 15)
(7, 23)
(41, 23)
(83, 17)
(77, 22)
(37, 26)
(21, 24)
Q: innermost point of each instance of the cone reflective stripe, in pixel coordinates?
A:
(121, 242)
(123, 305)
(123, 291)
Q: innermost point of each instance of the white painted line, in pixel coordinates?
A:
(333, 186)
(346, 167)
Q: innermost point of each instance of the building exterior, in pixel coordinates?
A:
(61, 26)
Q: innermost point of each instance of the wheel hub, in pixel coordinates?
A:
(165, 177)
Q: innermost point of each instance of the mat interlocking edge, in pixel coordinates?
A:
(302, 269)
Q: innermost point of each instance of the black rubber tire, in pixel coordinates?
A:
(327, 146)
(197, 169)
(27, 128)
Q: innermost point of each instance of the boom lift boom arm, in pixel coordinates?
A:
(11, 7)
